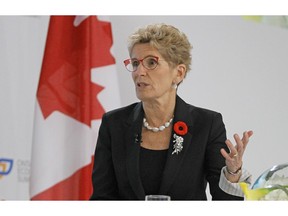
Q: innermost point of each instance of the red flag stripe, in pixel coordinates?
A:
(68, 188)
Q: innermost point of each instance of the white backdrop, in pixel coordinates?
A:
(239, 68)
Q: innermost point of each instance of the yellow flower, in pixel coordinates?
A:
(254, 194)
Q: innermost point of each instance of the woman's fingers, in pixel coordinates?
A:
(237, 151)
(234, 157)
(245, 139)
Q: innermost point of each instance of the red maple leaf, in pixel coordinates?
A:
(71, 51)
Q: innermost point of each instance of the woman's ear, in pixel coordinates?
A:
(181, 73)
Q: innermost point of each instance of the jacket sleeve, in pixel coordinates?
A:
(103, 176)
(214, 161)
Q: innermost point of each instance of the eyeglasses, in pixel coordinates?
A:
(149, 62)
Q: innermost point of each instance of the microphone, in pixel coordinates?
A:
(137, 138)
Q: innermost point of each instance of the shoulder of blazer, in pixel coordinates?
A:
(207, 112)
(186, 110)
(123, 112)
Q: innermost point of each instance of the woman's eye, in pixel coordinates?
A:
(152, 62)
(135, 63)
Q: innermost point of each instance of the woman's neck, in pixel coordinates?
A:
(158, 112)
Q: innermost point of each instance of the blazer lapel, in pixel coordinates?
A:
(133, 140)
(174, 162)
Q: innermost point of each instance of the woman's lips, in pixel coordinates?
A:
(142, 84)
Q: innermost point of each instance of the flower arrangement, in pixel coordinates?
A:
(271, 185)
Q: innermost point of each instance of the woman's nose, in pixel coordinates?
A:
(141, 70)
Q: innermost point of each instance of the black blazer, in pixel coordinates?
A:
(116, 163)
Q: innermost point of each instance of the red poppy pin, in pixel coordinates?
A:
(180, 128)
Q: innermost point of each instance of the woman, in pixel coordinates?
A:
(163, 145)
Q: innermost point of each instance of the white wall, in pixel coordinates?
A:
(239, 69)
(22, 41)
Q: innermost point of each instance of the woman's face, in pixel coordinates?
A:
(156, 84)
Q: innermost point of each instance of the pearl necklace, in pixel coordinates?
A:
(157, 129)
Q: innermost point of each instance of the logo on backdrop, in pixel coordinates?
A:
(5, 166)
(23, 169)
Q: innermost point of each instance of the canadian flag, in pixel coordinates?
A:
(78, 83)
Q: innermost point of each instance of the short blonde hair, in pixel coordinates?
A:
(171, 43)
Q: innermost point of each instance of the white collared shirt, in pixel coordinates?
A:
(234, 188)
